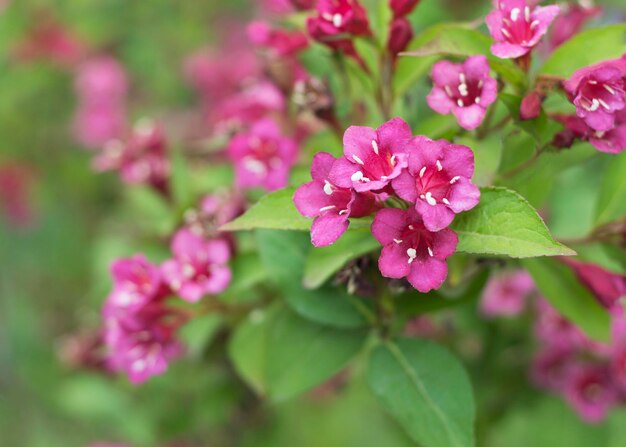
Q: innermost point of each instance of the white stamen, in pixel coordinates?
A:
(337, 20)
(454, 180)
(481, 83)
(446, 201)
(398, 241)
(328, 188)
(448, 90)
(412, 253)
(139, 365)
(255, 166)
(430, 252)
(595, 105)
(327, 16)
(600, 134)
(422, 171)
(462, 78)
(608, 88)
(534, 24)
(505, 32)
(358, 160)
(515, 12)
(592, 82)
(375, 146)
(326, 208)
(439, 167)
(604, 104)
(358, 177)
(507, 21)
(343, 212)
(411, 227)
(430, 199)
(188, 270)
(459, 102)
(392, 160)
(463, 89)
(422, 196)
(477, 100)
(527, 13)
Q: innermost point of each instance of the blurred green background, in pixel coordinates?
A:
(53, 274)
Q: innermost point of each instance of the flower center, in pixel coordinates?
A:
(466, 92)
(378, 164)
(416, 241)
(262, 157)
(433, 184)
(519, 28)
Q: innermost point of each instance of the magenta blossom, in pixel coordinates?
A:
(279, 42)
(554, 329)
(96, 124)
(101, 80)
(372, 158)
(530, 108)
(198, 267)
(571, 21)
(611, 142)
(136, 282)
(551, 366)
(263, 156)
(140, 159)
(607, 287)
(214, 211)
(17, 182)
(402, 8)
(517, 26)
(331, 205)
(438, 181)
(410, 250)
(598, 92)
(591, 392)
(400, 35)
(466, 90)
(506, 293)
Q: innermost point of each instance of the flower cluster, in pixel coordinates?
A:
(430, 179)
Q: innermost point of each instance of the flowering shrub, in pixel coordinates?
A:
(458, 250)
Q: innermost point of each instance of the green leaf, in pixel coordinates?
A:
(323, 262)
(425, 388)
(612, 199)
(541, 129)
(559, 285)
(276, 211)
(283, 255)
(302, 354)
(586, 48)
(504, 223)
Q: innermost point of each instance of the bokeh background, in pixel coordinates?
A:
(61, 224)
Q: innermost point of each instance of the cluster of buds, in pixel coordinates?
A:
(430, 179)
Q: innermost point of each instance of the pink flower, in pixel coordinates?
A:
(331, 205)
(618, 366)
(17, 182)
(136, 282)
(372, 157)
(570, 22)
(214, 211)
(438, 181)
(591, 392)
(263, 157)
(612, 141)
(551, 366)
(506, 293)
(198, 267)
(466, 90)
(530, 108)
(101, 80)
(400, 34)
(249, 105)
(336, 18)
(402, 8)
(410, 250)
(97, 124)
(553, 329)
(606, 286)
(302, 5)
(598, 92)
(140, 159)
(279, 42)
(517, 27)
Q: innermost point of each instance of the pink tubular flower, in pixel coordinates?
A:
(136, 282)
(249, 105)
(263, 157)
(530, 108)
(402, 8)
(552, 328)
(466, 90)
(97, 124)
(214, 211)
(598, 92)
(372, 158)
(591, 392)
(551, 366)
(332, 206)
(101, 80)
(611, 142)
(279, 42)
(400, 34)
(410, 250)
(506, 293)
(606, 286)
(517, 27)
(438, 181)
(140, 159)
(198, 267)
(570, 22)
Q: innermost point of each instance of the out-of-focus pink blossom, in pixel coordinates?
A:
(279, 42)
(141, 158)
(251, 104)
(570, 21)
(554, 329)
(199, 266)
(96, 125)
(410, 250)
(136, 282)
(330, 205)
(606, 286)
(506, 293)
(590, 390)
(517, 26)
(598, 92)
(402, 8)
(263, 156)
(465, 90)
(551, 366)
(400, 35)
(438, 180)
(214, 211)
(16, 188)
(101, 80)
(530, 107)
